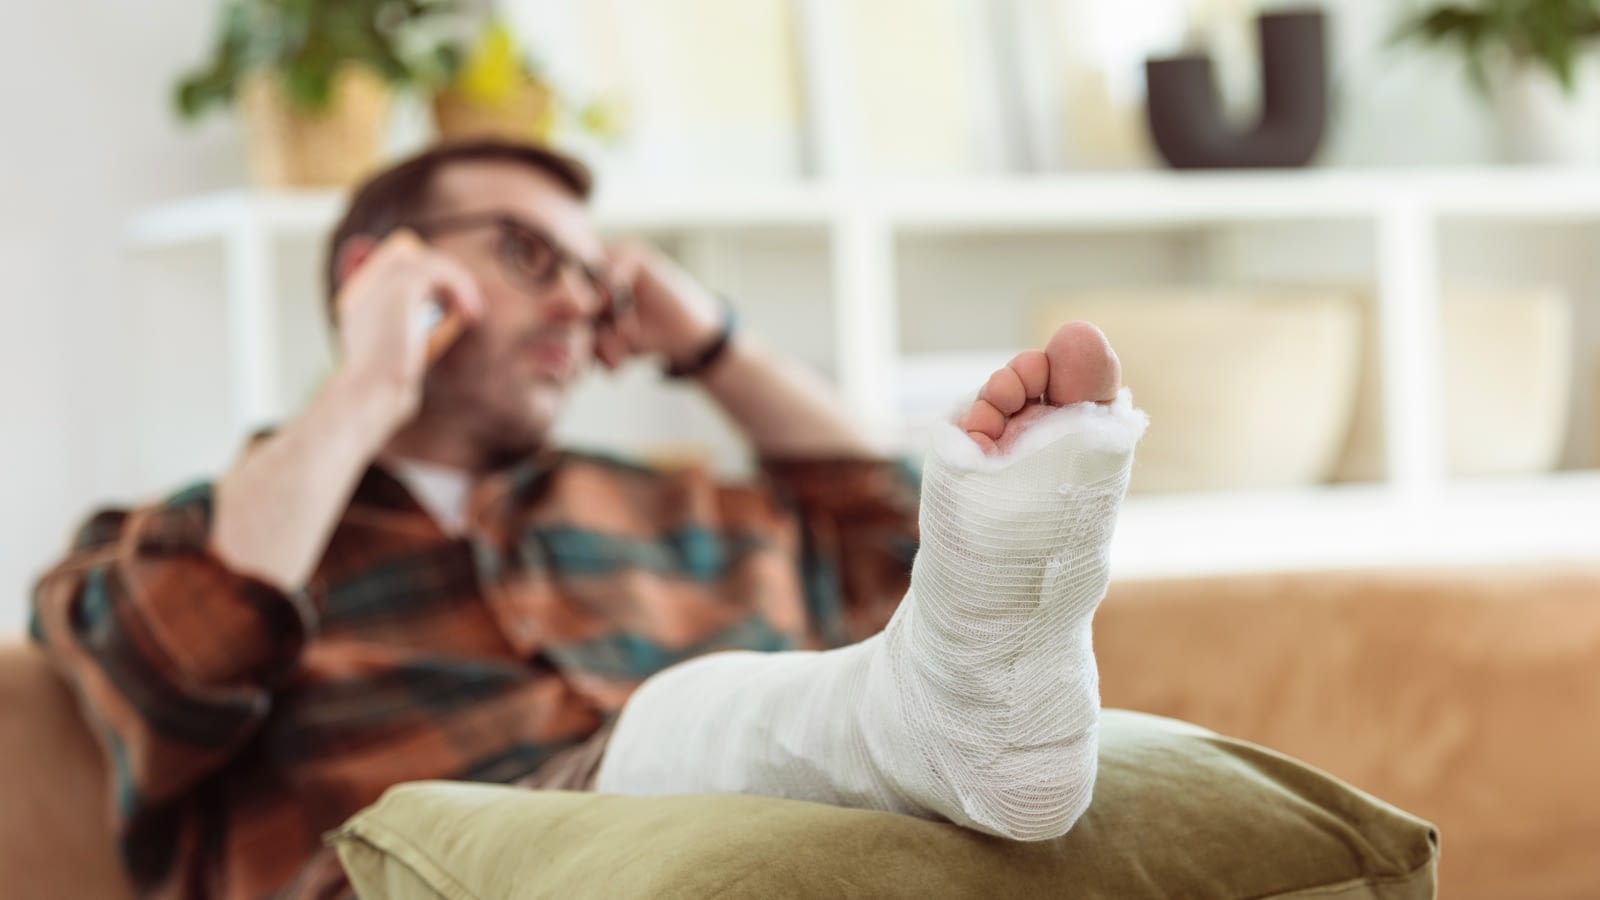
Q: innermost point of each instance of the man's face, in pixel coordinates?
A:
(504, 380)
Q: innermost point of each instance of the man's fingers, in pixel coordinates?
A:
(405, 255)
(629, 261)
(629, 252)
(457, 292)
(609, 349)
(622, 334)
(403, 269)
(455, 285)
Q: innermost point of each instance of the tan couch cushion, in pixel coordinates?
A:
(1468, 696)
(1178, 812)
(55, 830)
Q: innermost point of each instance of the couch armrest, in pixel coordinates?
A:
(1470, 697)
(55, 833)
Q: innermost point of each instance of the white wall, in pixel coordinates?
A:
(1398, 106)
(86, 139)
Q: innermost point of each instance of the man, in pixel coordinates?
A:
(406, 582)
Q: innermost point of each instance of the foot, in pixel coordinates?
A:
(1076, 366)
(989, 661)
(979, 702)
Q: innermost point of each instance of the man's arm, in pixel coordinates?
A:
(173, 657)
(276, 510)
(175, 623)
(783, 409)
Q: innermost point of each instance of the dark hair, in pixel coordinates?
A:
(397, 196)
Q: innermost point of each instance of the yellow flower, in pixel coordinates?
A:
(493, 70)
(601, 119)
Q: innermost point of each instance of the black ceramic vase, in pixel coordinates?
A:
(1185, 110)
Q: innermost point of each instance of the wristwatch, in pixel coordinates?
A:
(701, 362)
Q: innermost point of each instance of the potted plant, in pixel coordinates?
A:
(1536, 62)
(498, 92)
(313, 80)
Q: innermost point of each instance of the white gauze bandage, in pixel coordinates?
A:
(979, 703)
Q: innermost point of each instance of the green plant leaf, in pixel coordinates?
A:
(192, 98)
(203, 91)
(449, 58)
(309, 83)
(307, 41)
(1449, 22)
(1550, 34)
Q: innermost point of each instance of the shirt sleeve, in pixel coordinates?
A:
(172, 655)
(858, 521)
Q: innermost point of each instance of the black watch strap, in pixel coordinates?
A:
(705, 359)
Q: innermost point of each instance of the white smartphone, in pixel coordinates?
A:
(441, 328)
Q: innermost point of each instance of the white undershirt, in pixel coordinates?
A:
(441, 490)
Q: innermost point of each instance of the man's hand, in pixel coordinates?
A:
(783, 409)
(672, 314)
(383, 348)
(277, 508)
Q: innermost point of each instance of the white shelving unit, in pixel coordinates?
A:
(1417, 515)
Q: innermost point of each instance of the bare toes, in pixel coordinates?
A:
(987, 444)
(1005, 391)
(1033, 369)
(984, 418)
(1083, 367)
(1076, 366)
(1018, 425)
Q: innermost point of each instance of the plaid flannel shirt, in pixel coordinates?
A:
(240, 723)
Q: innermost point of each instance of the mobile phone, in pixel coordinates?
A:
(441, 327)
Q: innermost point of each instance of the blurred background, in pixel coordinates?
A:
(1345, 249)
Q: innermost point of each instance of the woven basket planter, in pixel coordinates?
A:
(523, 116)
(335, 147)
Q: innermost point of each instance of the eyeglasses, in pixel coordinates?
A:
(534, 261)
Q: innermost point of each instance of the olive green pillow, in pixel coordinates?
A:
(1178, 812)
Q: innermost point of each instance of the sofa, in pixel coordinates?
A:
(1470, 697)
